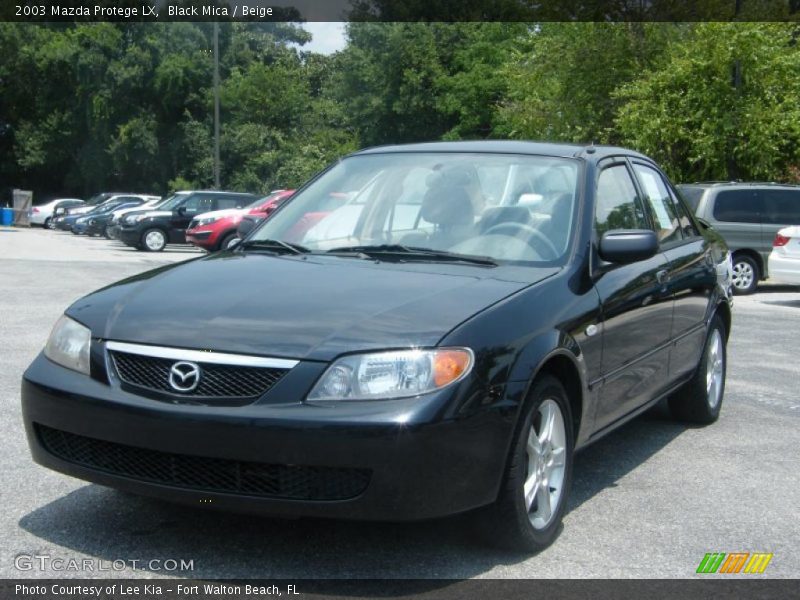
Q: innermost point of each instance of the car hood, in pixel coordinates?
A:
(155, 213)
(218, 214)
(124, 211)
(294, 307)
(79, 210)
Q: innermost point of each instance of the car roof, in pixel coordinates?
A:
(715, 184)
(508, 147)
(213, 192)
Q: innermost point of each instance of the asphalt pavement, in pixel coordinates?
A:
(648, 501)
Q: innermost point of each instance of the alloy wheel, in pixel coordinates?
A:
(715, 368)
(154, 240)
(546, 453)
(743, 275)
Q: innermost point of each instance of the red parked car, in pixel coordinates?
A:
(216, 230)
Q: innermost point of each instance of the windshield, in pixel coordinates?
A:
(501, 206)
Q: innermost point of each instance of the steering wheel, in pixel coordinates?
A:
(533, 235)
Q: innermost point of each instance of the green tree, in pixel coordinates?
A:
(694, 114)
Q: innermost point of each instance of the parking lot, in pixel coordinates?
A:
(649, 500)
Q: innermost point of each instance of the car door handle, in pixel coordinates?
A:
(662, 276)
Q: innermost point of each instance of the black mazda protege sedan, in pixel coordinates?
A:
(424, 330)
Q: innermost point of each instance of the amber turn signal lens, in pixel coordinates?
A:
(449, 365)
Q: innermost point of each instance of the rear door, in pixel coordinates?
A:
(692, 275)
(636, 305)
(231, 201)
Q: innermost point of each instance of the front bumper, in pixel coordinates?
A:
(203, 239)
(132, 236)
(422, 460)
(96, 228)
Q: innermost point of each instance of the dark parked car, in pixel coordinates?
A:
(78, 223)
(443, 341)
(154, 229)
(96, 223)
(748, 215)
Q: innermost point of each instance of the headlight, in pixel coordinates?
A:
(399, 374)
(206, 221)
(69, 344)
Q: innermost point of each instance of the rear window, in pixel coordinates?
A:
(692, 195)
(737, 206)
(781, 207)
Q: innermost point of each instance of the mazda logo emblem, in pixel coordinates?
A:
(184, 376)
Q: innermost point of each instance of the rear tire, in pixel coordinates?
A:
(526, 516)
(745, 274)
(154, 240)
(700, 400)
(46, 224)
(105, 233)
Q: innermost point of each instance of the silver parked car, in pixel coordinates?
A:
(747, 215)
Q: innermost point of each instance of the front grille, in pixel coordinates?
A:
(216, 381)
(205, 474)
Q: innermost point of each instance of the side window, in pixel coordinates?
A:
(618, 206)
(198, 204)
(737, 206)
(781, 207)
(687, 225)
(229, 202)
(659, 203)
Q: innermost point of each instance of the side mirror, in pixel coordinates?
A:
(703, 223)
(246, 225)
(625, 246)
(181, 210)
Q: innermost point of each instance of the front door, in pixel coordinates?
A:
(194, 205)
(636, 306)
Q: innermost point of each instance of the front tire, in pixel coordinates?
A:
(700, 400)
(228, 240)
(745, 275)
(527, 514)
(154, 240)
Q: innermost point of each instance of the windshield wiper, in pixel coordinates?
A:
(400, 252)
(276, 245)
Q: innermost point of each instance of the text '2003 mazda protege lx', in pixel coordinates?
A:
(423, 330)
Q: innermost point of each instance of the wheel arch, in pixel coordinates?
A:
(723, 309)
(756, 256)
(222, 236)
(563, 367)
(560, 356)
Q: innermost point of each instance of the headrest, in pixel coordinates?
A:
(447, 205)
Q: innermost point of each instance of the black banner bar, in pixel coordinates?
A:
(399, 10)
(750, 587)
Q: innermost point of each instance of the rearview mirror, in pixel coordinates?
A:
(625, 246)
(246, 225)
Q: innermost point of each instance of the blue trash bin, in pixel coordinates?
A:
(6, 216)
